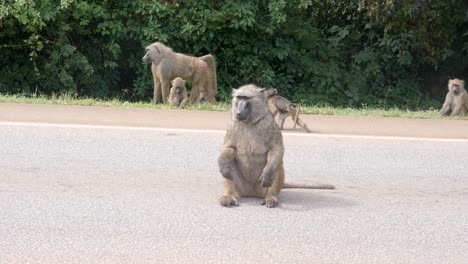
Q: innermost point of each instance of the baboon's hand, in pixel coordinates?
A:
(266, 180)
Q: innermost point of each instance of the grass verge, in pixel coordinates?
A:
(317, 110)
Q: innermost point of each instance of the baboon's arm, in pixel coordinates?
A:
(184, 101)
(465, 101)
(171, 97)
(227, 163)
(446, 106)
(274, 158)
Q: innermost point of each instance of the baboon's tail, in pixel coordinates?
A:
(209, 59)
(308, 186)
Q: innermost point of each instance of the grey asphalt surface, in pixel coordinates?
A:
(89, 195)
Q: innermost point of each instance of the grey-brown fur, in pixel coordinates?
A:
(178, 95)
(456, 100)
(167, 65)
(251, 159)
(280, 105)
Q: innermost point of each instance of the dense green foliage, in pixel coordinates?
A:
(329, 52)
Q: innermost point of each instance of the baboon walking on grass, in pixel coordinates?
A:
(251, 160)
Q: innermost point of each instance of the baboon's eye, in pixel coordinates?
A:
(241, 97)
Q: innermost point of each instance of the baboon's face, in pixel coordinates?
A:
(241, 108)
(179, 84)
(152, 52)
(456, 86)
(271, 92)
(249, 104)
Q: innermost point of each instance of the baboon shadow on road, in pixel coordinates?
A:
(300, 200)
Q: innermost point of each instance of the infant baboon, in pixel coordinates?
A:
(178, 94)
(251, 160)
(280, 105)
(167, 64)
(456, 100)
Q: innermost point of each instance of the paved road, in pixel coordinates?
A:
(126, 195)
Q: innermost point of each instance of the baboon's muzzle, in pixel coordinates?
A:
(456, 89)
(242, 111)
(146, 59)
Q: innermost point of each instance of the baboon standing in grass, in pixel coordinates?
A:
(251, 160)
(167, 65)
(280, 105)
(456, 100)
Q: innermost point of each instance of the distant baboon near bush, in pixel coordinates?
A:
(251, 160)
(178, 94)
(280, 105)
(456, 100)
(167, 65)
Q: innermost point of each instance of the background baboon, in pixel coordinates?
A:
(178, 95)
(251, 160)
(167, 64)
(280, 105)
(456, 100)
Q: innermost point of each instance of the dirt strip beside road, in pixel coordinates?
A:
(191, 119)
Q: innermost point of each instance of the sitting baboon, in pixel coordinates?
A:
(251, 160)
(456, 100)
(280, 105)
(178, 94)
(167, 64)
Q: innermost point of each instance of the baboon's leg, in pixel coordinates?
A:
(208, 84)
(445, 110)
(271, 197)
(466, 103)
(230, 196)
(157, 92)
(184, 102)
(456, 110)
(294, 112)
(303, 125)
(156, 86)
(195, 93)
(281, 119)
(176, 101)
(165, 87)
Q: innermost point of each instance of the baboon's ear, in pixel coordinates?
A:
(233, 91)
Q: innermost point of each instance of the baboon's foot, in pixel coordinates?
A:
(270, 202)
(228, 201)
(307, 129)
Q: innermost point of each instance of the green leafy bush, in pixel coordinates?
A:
(317, 52)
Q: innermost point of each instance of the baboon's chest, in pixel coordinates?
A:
(252, 145)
